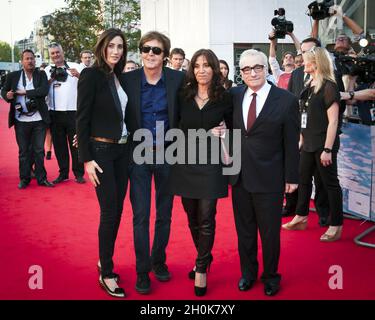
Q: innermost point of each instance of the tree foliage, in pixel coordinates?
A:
(76, 27)
(6, 54)
(124, 15)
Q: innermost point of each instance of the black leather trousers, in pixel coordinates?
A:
(201, 216)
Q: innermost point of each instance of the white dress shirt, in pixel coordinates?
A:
(261, 98)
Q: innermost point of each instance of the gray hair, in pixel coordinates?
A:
(253, 53)
(55, 45)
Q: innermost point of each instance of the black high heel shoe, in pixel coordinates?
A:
(191, 274)
(115, 275)
(118, 292)
(200, 291)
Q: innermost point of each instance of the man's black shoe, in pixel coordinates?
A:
(270, 289)
(244, 284)
(323, 221)
(143, 284)
(80, 180)
(46, 183)
(23, 184)
(60, 179)
(161, 272)
(287, 212)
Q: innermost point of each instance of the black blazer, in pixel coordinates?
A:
(132, 82)
(269, 152)
(99, 112)
(39, 93)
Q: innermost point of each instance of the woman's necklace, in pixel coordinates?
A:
(201, 99)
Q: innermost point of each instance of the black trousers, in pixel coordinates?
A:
(309, 162)
(253, 212)
(63, 129)
(320, 198)
(113, 159)
(201, 217)
(141, 176)
(30, 139)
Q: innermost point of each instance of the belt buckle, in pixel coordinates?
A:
(123, 140)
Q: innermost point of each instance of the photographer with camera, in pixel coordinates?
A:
(282, 76)
(62, 102)
(343, 44)
(26, 90)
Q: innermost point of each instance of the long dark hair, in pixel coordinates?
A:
(101, 47)
(225, 80)
(215, 90)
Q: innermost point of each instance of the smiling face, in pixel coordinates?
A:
(202, 71)
(57, 55)
(114, 51)
(152, 61)
(254, 79)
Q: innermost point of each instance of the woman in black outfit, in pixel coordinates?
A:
(320, 142)
(102, 143)
(204, 104)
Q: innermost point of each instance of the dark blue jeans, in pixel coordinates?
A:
(113, 159)
(30, 138)
(140, 197)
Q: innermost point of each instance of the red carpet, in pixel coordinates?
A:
(56, 229)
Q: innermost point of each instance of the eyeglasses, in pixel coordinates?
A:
(147, 49)
(257, 68)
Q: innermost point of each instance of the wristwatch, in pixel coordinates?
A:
(327, 150)
(351, 94)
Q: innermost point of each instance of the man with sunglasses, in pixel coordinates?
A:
(152, 93)
(268, 119)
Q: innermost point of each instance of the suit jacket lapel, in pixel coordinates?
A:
(170, 83)
(238, 104)
(116, 99)
(16, 79)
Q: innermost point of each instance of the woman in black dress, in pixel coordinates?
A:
(320, 142)
(204, 104)
(102, 144)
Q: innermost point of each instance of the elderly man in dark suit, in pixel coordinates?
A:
(268, 119)
(152, 93)
(26, 90)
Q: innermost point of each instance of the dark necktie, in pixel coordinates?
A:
(252, 115)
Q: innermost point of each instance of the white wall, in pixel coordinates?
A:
(185, 22)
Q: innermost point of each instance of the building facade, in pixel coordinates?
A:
(229, 27)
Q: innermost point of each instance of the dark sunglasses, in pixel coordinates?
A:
(147, 49)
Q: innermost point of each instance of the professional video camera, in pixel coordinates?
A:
(361, 66)
(281, 25)
(320, 9)
(59, 73)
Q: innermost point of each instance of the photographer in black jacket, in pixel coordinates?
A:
(26, 90)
